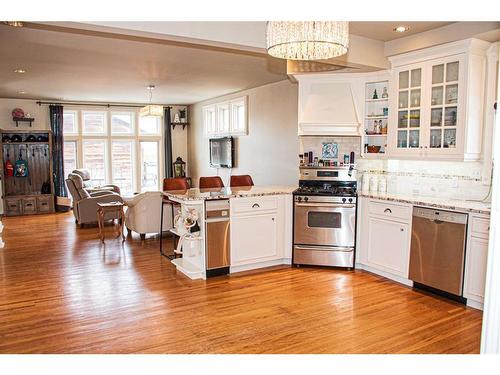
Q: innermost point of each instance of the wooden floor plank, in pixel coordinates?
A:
(62, 291)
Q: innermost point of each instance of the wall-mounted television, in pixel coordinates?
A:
(222, 152)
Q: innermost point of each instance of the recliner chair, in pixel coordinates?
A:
(87, 182)
(85, 203)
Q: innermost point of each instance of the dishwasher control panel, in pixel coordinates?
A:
(441, 215)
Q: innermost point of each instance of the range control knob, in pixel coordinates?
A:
(350, 200)
(299, 199)
(306, 199)
(343, 200)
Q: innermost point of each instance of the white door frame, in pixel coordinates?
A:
(490, 338)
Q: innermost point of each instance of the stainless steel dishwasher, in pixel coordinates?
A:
(437, 252)
(217, 240)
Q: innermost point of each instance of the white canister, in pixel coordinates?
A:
(373, 183)
(382, 184)
(365, 182)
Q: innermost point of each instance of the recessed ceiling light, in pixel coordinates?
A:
(401, 29)
(14, 23)
(20, 71)
(21, 92)
(151, 87)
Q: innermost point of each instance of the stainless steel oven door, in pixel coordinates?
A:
(323, 224)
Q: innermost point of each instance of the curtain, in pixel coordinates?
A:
(56, 125)
(167, 142)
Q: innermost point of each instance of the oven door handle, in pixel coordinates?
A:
(325, 248)
(325, 205)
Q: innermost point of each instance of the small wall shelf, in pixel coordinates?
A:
(17, 120)
(184, 124)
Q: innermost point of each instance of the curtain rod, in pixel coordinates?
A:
(40, 102)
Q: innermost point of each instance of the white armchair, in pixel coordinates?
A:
(143, 213)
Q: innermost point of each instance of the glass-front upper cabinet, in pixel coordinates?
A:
(444, 105)
(436, 109)
(409, 108)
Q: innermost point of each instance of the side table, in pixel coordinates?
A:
(110, 207)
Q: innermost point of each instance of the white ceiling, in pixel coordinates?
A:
(187, 61)
(69, 66)
(385, 30)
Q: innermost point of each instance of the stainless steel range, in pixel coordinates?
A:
(325, 217)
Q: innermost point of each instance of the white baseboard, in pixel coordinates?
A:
(253, 266)
(475, 304)
(388, 275)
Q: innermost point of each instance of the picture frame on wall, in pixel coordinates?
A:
(329, 150)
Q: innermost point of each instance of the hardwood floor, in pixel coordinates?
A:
(62, 291)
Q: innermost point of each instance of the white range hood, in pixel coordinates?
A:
(329, 105)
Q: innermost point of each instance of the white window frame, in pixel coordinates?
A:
(212, 123)
(108, 137)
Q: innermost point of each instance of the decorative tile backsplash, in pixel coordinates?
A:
(345, 145)
(454, 180)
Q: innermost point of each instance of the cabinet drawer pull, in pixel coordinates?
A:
(388, 211)
(255, 205)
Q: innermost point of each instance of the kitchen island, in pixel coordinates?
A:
(260, 223)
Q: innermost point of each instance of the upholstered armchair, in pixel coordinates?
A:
(87, 182)
(85, 203)
(143, 213)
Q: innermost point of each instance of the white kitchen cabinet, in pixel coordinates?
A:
(383, 239)
(476, 258)
(255, 238)
(260, 231)
(388, 246)
(436, 102)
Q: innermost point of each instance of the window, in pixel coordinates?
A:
(209, 120)
(122, 123)
(70, 124)
(149, 166)
(226, 118)
(69, 157)
(117, 146)
(223, 118)
(122, 165)
(94, 159)
(149, 125)
(94, 122)
(239, 116)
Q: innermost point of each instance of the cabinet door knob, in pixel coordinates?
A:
(255, 205)
(388, 211)
(402, 229)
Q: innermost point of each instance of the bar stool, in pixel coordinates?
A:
(242, 180)
(211, 182)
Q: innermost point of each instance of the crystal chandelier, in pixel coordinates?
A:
(307, 40)
(151, 110)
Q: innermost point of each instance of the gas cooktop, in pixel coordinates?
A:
(334, 191)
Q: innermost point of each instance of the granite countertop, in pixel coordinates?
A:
(444, 203)
(228, 192)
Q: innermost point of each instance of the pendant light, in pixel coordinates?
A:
(151, 110)
(307, 40)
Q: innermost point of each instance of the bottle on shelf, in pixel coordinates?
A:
(385, 95)
(375, 95)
